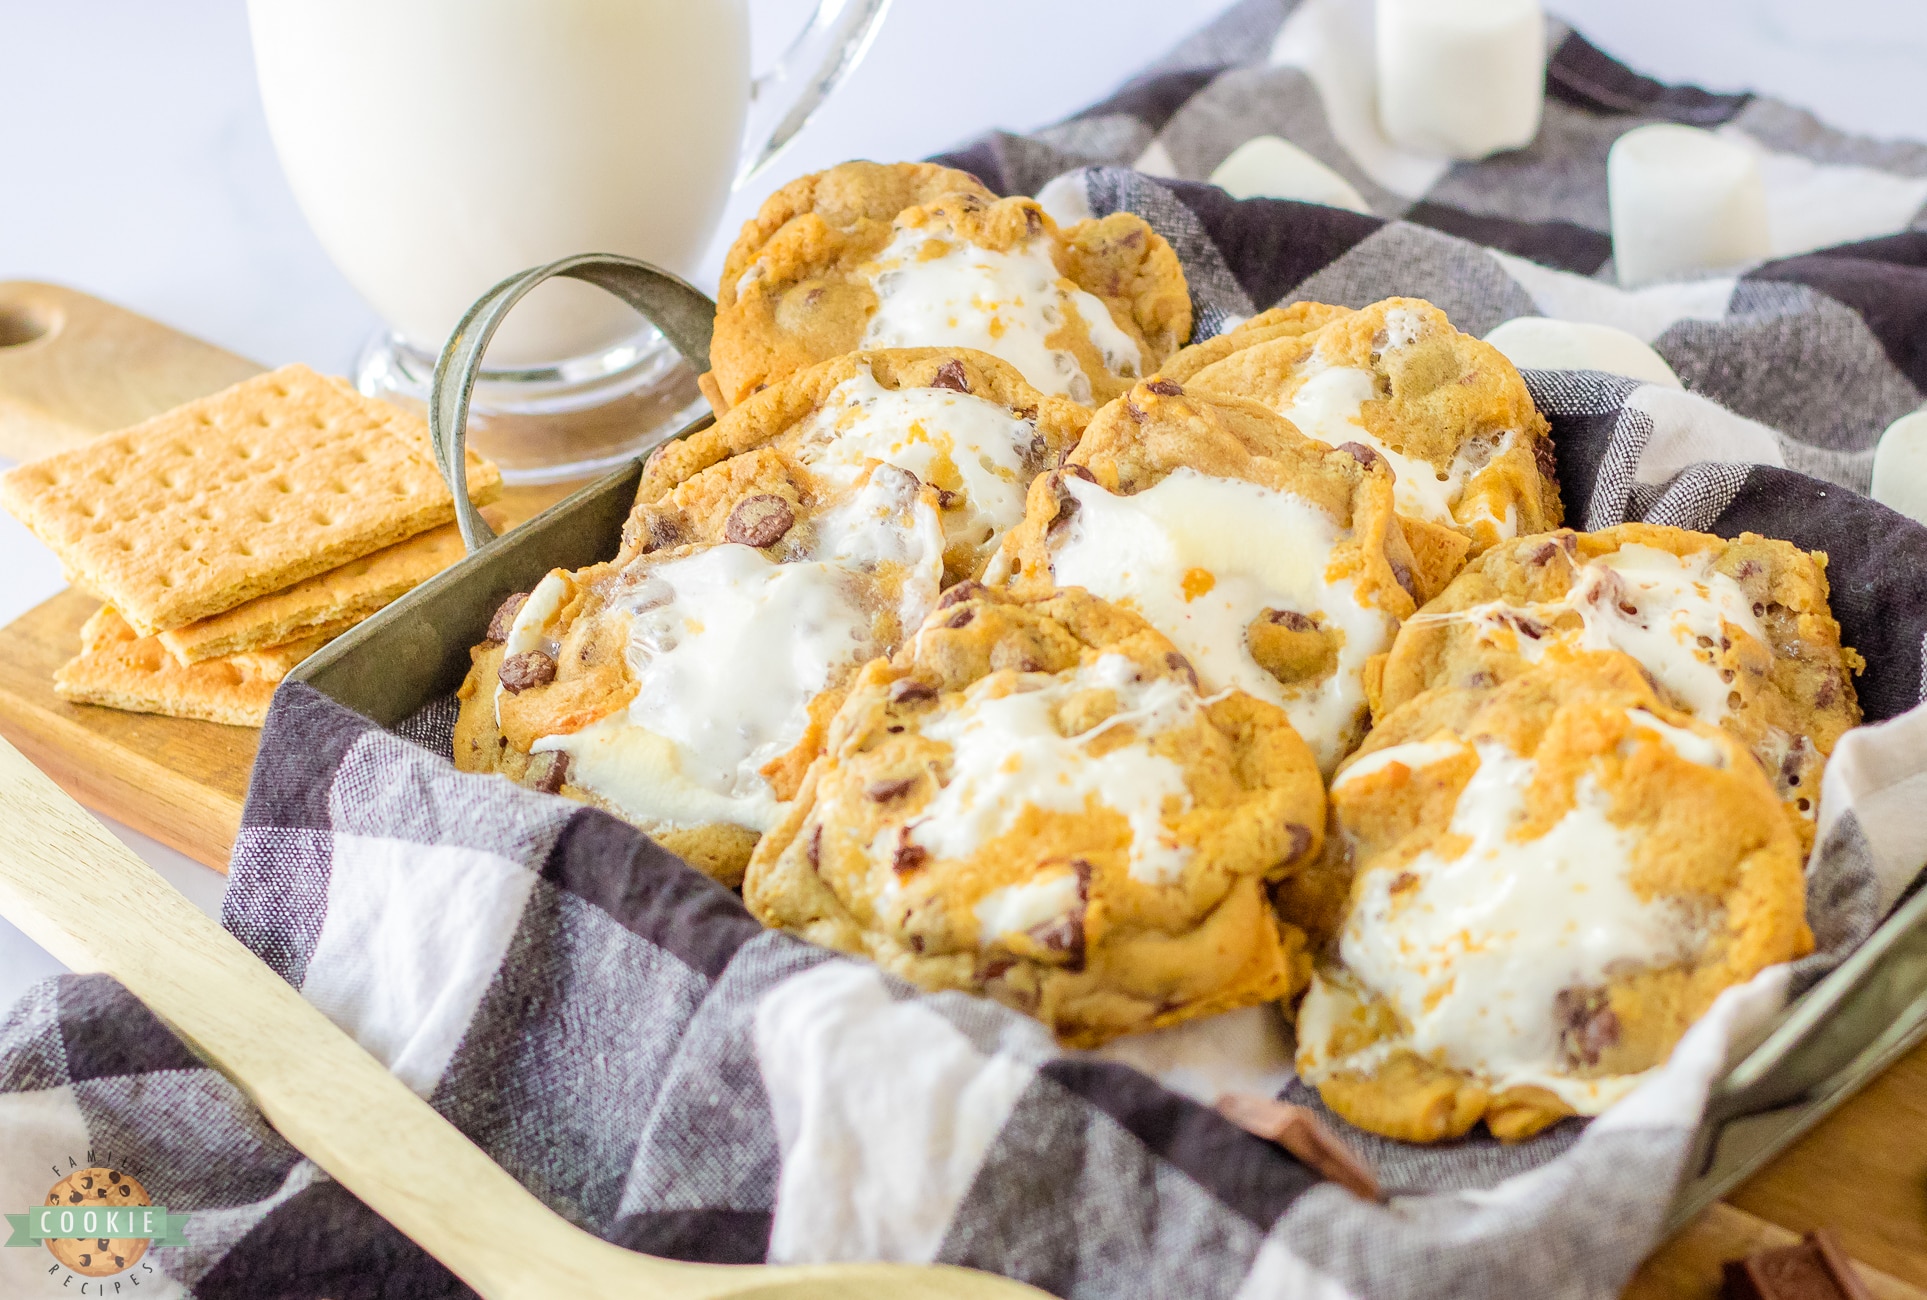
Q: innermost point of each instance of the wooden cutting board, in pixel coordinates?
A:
(72, 366)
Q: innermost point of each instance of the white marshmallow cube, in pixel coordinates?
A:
(1462, 78)
(1541, 343)
(1267, 167)
(1900, 466)
(1684, 202)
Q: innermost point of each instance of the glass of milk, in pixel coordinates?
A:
(438, 146)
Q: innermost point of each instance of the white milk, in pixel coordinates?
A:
(438, 146)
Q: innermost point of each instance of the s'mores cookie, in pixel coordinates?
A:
(1737, 633)
(684, 685)
(962, 421)
(867, 256)
(1033, 800)
(1471, 454)
(1275, 564)
(1553, 879)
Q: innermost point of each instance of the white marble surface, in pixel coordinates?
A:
(139, 168)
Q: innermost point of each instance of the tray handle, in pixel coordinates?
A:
(683, 313)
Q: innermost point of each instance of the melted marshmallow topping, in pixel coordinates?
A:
(1021, 908)
(943, 437)
(728, 649)
(1473, 949)
(1007, 755)
(1328, 406)
(1201, 557)
(934, 292)
(1665, 610)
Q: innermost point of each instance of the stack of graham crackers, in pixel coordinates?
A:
(234, 536)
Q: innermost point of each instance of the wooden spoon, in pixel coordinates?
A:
(88, 900)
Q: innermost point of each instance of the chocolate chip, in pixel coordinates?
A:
(960, 619)
(663, 533)
(885, 791)
(907, 857)
(909, 690)
(1039, 449)
(1542, 554)
(503, 622)
(1065, 934)
(1403, 573)
(1359, 452)
(951, 375)
(1177, 663)
(1033, 221)
(994, 966)
(529, 669)
(1300, 841)
(1824, 697)
(1066, 502)
(1292, 619)
(1403, 881)
(815, 850)
(1165, 387)
(968, 589)
(1588, 1027)
(548, 771)
(759, 521)
(948, 500)
(1542, 457)
(1131, 409)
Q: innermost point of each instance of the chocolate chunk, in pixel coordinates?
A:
(1587, 1025)
(951, 375)
(1359, 452)
(1291, 619)
(1548, 464)
(907, 857)
(503, 621)
(1828, 692)
(529, 669)
(815, 849)
(1177, 663)
(1064, 935)
(1165, 387)
(759, 521)
(548, 771)
(948, 500)
(1033, 221)
(1039, 449)
(1300, 1131)
(911, 691)
(968, 589)
(1134, 411)
(885, 791)
(960, 619)
(1402, 573)
(1815, 1269)
(661, 534)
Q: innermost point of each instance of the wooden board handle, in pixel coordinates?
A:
(82, 895)
(73, 367)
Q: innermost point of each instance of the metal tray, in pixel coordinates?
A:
(1824, 1047)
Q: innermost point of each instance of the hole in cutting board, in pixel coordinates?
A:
(19, 325)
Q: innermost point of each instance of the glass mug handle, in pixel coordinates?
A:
(783, 100)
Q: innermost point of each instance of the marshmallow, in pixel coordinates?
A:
(1900, 466)
(1684, 202)
(1270, 168)
(1463, 78)
(1541, 343)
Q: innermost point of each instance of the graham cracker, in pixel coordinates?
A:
(232, 496)
(327, 604)
(121, 670)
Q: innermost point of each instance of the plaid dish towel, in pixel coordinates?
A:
(617, 1033)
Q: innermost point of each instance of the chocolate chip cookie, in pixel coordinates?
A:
(1554, 878)
(1275, 563)
(867, 256)
(1736, 632)
(1033, 800)
(1471, 453)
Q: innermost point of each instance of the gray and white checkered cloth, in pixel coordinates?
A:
(616, 1032)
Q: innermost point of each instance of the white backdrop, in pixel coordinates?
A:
(138, 166)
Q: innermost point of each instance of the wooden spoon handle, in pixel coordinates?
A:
(82, 895)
